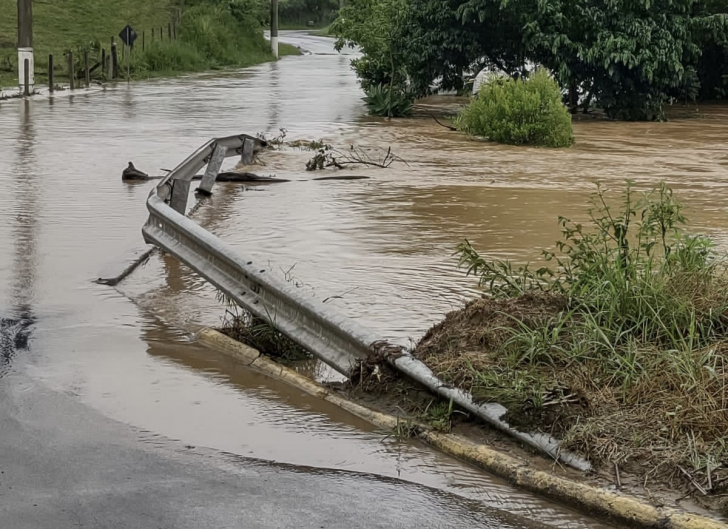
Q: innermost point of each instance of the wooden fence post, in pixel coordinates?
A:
(103, 61)
(143, 40)
(85, 67)
(50, 73)
(71, 73)
(114, 61)
(169, 31)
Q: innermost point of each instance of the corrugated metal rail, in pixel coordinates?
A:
(330, 336)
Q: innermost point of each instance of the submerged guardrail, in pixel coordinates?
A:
(330, 336)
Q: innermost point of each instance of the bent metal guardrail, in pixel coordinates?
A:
(333, 338)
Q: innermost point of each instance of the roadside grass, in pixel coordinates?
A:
(619, 346)
(323, 32)
(286, 50)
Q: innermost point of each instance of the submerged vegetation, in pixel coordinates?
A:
(619, 345)
(244, 327)
(526, 111)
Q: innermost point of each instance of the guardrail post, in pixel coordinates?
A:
(180, 191)
(246, 157)
(213, 167)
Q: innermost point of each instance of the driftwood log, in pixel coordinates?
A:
(132, 174)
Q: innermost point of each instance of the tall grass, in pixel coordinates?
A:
(619, 344)
(211, 36)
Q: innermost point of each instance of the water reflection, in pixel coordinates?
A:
(15, 330)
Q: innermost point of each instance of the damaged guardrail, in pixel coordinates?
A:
(333, 338)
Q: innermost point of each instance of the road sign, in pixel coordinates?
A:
(128, 35)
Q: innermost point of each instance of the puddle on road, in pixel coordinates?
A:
(380, 249)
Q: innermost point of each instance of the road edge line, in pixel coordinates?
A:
(591, 500)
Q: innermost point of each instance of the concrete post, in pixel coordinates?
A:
(274, 27)
(25, 43)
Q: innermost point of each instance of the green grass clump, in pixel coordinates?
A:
(526, 111)
(619, 345)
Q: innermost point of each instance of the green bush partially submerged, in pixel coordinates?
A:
(620, 346)
(388, 101)
(526, 111)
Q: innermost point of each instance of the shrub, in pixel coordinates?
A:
(525, 111)
(387, 101)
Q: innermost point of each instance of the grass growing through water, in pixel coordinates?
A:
(256, 332)
(619, 345)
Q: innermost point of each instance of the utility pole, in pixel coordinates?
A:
(25, 43)
(274, 27)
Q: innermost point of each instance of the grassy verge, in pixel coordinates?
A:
(620, 347)
(286, 50)
(300, 27)
(323, 32)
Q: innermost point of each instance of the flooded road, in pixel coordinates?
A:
(380, 250)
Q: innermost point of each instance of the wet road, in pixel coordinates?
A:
(100, 380)
(88, 471)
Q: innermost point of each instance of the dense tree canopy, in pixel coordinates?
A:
(627, 56)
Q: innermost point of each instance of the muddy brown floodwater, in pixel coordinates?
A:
(379, 249)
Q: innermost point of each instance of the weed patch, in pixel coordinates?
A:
(619, 345)
(242, 326)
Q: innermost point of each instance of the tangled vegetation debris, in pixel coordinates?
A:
(327, 156)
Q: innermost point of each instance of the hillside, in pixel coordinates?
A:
(62, 24)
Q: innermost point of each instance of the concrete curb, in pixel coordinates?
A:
(591, 500)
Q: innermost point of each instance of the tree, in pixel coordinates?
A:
(628, 56)
(375, 26)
